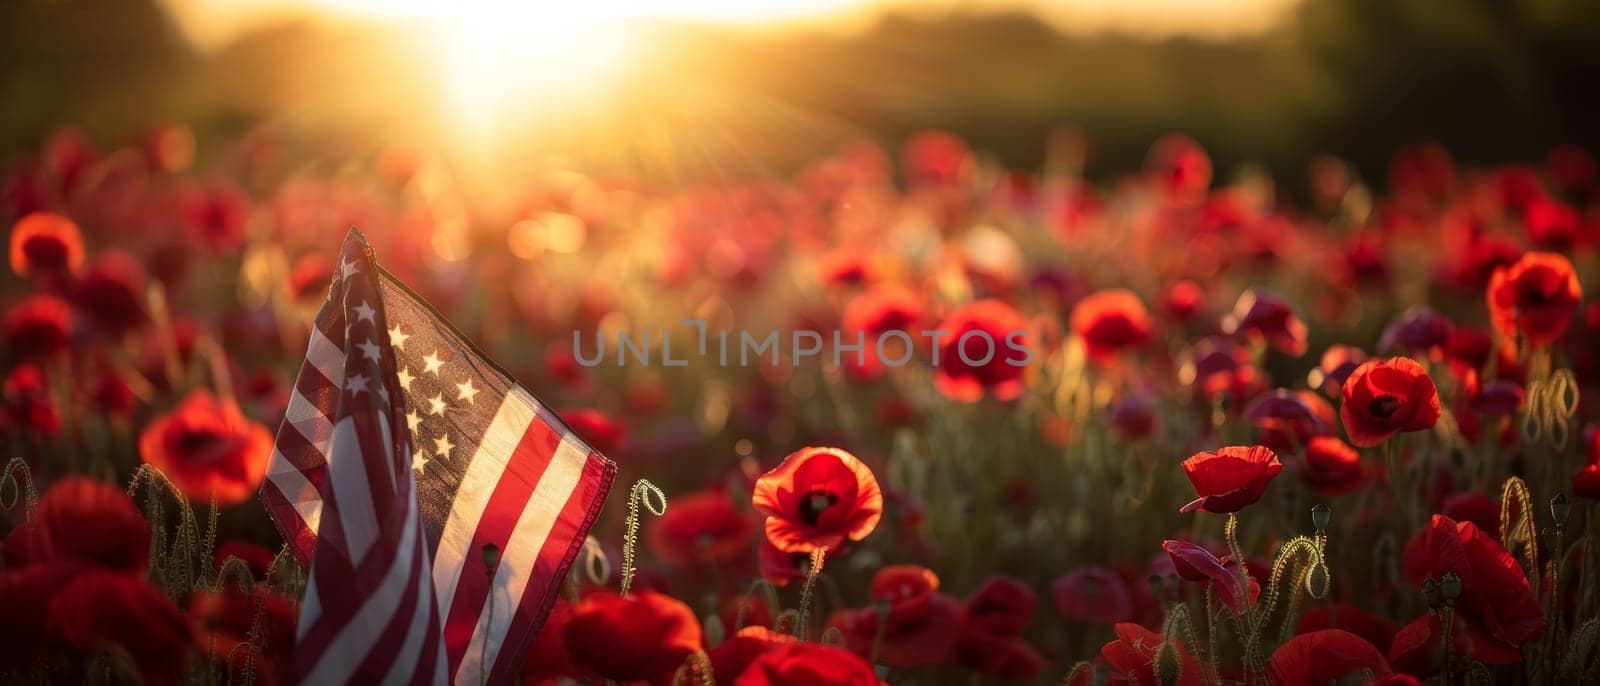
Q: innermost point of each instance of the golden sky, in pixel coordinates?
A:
(213, 22)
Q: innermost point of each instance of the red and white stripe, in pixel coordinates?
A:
(541, 485)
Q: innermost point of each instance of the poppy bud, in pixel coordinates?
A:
(1450, 587)
(1560, 508)
(1320, 514)
(1430, 593)
(1168, 668)
(713, 630)
(491, 558)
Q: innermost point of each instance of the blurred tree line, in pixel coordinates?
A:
(1494, 80)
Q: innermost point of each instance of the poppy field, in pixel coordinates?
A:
(1182, 427)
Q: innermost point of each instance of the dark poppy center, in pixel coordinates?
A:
(1383, 406)
(198, 444)
(46, 251)
(814, 504)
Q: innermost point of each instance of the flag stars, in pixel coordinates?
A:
(431, 363)
(397, 338)
(405, 377)
(346, 269)
(419, 461)
(465, 391)
(365, 312)
(436, 404)
(356, 384)
(442, 443)
(413, 420)
(369, 350)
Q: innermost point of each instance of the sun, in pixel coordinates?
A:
(497, 60)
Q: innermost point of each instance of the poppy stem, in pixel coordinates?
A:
(1231, 533)
(642, 490)
(804, 629)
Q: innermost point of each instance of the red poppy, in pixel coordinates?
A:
(884, 307)
(1336, 365)
(1092, 594)
(919, 623)
(1535, 297)
(1498, 398)
(1231, 478)
(1341, 615)
(701, 528)
(880, 309)
(208, 449)
(1383, 398)
(846, 267)
(818, 498)
(216, 215)
(111, 292)
(907, 589)
(1417, 331)
(1364, 260)
(1179, 166)
(731, 657)
(1006, 657)
(1182, 300)
(1263, 315)
(992, 621)
(1001, 606)
(1111, 321)
(547, 656)
(599, 430)
(1221, 370)
(1325, 656)
(1422, 169)
(25, 594)
(1133, 657)
(1416, 648)
(1586, 483)
(99, 609)
(1332, 467)
(1286, 420)
(83, 520)
(1195, 563)
(44, 243)
(806, 664)
(1475, 507)
(1133, 414)
(1552, 224)
(309, 277)
(264, 621)
(644, 635)
(1472, 347)
(935, 158)
(1495, 595)
(916, 632)
(27, 404)
(38, 326)
(986, 351)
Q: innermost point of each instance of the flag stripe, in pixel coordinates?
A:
(339, 657)
(455, 544)
(538, 518)
(522, 475)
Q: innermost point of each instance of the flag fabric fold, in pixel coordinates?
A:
(403, 455)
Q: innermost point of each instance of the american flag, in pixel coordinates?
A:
(406, 466)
